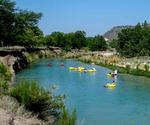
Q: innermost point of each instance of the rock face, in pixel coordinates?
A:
(14, 58)
(113, 33)
(20, 62)
(12, 114)
(18, 58)
(4, 117)
(10, 119)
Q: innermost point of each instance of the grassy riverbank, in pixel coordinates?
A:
(28, 100)
(136, 66)
(30, 95)
(113, 63)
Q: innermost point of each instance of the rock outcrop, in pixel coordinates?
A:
(11, 113)
(16, 58)
(113, 33)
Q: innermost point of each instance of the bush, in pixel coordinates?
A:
(66, 118)
(3, 86)
(128, 68)
(3, 69)
(5, 76)
(146, 67)
(36, 99)
(5, 73)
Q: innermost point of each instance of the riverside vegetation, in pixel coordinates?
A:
(31, 97)
(20, 28)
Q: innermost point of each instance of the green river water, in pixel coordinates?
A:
(127, 104)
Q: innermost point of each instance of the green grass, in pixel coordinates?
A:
(3, 86)
(5, 73)
(67, 118)
(5, 76)
(3, 69)
(36, 99)
(126, 70)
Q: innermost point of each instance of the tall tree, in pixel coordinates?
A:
(98, 43)
(134, 41)
(15, 22)
(6, 20)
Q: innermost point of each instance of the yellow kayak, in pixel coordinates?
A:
(110, 85)
(72, 68)
(109, 75)
(91, 70)
(81, 68)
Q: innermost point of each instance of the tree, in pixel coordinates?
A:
(98, 43)
(32, 36)
(145, 24)
(79, 39)
(15, 22)
(135, 41)
(6, 20)
(67, 41)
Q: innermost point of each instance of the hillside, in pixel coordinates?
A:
(112, 33)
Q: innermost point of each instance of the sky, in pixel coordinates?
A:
(93, 16)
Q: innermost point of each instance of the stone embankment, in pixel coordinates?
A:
(11, 113)
(17, 58)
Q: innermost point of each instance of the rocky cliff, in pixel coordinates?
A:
(113, 33)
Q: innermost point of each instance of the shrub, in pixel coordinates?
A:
(36, 99)
(66, 118)
(3, 86)
(146, 67)
(5, 73)
(137, 66)
(128, 68)
(5, 76)
(3, 69)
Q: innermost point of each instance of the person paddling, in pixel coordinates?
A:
(62, 64)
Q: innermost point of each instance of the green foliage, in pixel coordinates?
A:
(3, 69)
(5, 73)
(67, 41)
(36, 99)
(128, 68)
(146, 67)
(97, 43)
(66, 118)
(19, 27)
(5, 76)
(3, 86)
(113, 44)
(78, 40)
(134, 41)
(15, 24)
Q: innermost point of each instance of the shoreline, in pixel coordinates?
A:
(114, 62)
(17, 59)
(13, 60)
(22, 59)
(120, 69)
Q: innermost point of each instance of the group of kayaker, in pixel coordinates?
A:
(114, 76)
(82, 69)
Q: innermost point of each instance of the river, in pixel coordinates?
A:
(127, 104)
